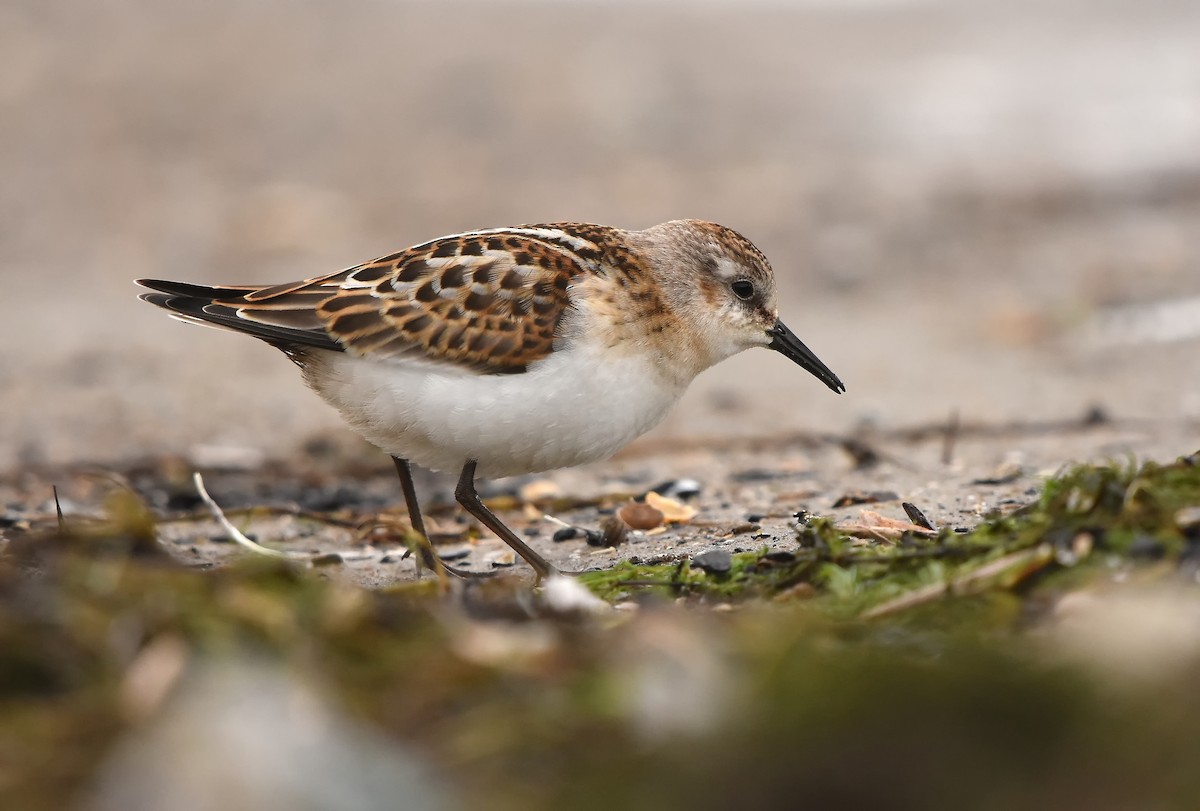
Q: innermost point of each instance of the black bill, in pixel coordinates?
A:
(784, 341)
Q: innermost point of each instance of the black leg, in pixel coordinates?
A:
(425, 547)
(429, 557)
(466, 495)
(410, 496)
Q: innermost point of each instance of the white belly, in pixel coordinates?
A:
(573, 407)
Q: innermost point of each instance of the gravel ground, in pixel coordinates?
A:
(747, 495)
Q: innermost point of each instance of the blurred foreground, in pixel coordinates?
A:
(984, 207)
(1043, 661)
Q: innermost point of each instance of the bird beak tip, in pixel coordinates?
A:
(785, 342)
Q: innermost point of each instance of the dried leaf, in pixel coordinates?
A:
(674, 512)
(872, 525)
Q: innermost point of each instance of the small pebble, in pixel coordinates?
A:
(1096, 415)
(758, 474)
(183, 500)
(1146, 547)
(714, 561)
(678, 488)
(613, 532)
(864, 455)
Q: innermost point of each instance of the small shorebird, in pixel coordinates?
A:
(512, 350)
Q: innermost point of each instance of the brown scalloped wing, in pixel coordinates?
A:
(488, 301)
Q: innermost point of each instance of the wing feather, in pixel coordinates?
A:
(491, 301)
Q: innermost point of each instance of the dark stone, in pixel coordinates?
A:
(1095, 415)
(1147, 548)
(330, 498)
(714, 561)
(613, 532)
(183, 500)
(758, 474)
(682, 489)
(863, 454)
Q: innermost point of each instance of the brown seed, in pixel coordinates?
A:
(638, 515)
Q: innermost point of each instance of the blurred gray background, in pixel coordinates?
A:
(991, 207)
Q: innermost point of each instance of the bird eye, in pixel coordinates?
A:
(743, 289)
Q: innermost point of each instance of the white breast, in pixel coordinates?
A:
(576, 406)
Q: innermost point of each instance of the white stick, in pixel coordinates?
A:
(235, 534)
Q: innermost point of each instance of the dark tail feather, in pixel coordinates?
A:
(217, 306)
(201, 291)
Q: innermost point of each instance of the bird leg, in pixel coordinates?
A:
(469, 499)
(429, 558)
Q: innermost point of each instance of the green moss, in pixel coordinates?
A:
(1119, 509)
